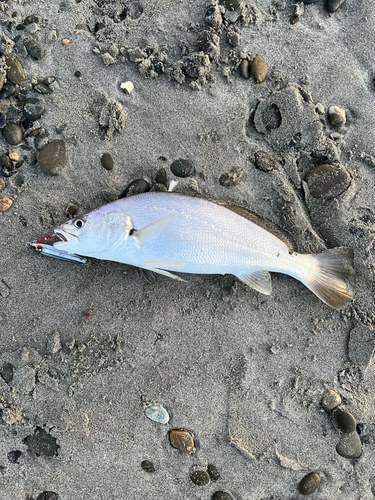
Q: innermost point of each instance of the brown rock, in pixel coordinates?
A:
(52, 158)
(182, 440)
(266, 162)
(259, 69)
(327, 181)
(5, 203)
(15, 73)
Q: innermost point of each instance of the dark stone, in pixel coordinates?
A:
(33, 109)
(72, 210)
(34, 48)
(3, 119)
(200, 477)
(333, 5)
(294, 19)
(159, 68)
(77, 74)
(221, 495)
(231, 4)
(27, 124)
(148, 466)
(344, 420)
(7, 372)
(232, 178)
(15, 73)
(13, 133)
(272, 117)
(349, 446)
(13, 456)
(47, 495)
(161, 177)
(245, 69)
(7, 90)
(266, 162)
(183, 168)
(136, 187)
(327, 181)
(42, 443)
(234, 40)
(213, 472)
(41, 88)
(6, 162)
(19, 27)
(159, 188)
(48, 80)
(30, 19)
(309, 484)
(107, 161)
(52, 158)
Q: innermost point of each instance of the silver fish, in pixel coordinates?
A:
(164, 232)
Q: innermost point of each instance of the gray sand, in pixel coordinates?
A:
(244, 372)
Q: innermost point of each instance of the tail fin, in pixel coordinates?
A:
(329, 279)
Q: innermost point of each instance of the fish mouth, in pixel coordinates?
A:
(61, 236)
(66, 239)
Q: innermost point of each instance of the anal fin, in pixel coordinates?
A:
(259, 280)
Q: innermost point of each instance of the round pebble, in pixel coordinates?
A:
(213, 472)
(48, 80)
(136, 187)
(41, 88)
(14, 156)
(31, 19)
(161, 177)
(7, 372)
(182, 440)
(13, 456)
(245, 69)
(221, 495)
(327, 181)
(12, 133)
(71, 210)
(33, 109)
(107, 161)
(148, 466)
(259, 69)
(344, 420)
(5, 203)
(200, 477)
(157, 413)
(52, 158)
(15, 73)
(336, 116)
(330, 400)
(333, 5)
(34, 48)
(77, 74)
(183, 168)
(266, 162)
(309, 484)
(7, 90)
(349, 446)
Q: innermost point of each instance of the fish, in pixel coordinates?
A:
(167, 232)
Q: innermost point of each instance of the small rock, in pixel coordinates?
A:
(148, 466)
(309, 484)
(3, 119)
(65, 42)
(231, 4)
(136, 187)
(349, 446)
(221, 495)
(159, 188)
(47, 495)
(245, 69)
(52, 158)
(71, 210)
(182, 168)
(266, 162)
(127, 87)
(361, 346)
(294, 19)
(5, 203)
(34, 48)
(259, 69)
(13, 456)
(213, 472)
(6, 163)
(232, 178)
(2, 185)
(15, 73)
(107, 161)
(78, 74)
(14, 156)
(13, 133)
(327, 181)
(33, 109)
(336, 116)
(161, 177)
(42, 443)
(7, 372)
(7, 90)
(31, 19)
(157, 413)
(330, 400)
(41, 88)
(333, 5)
(200, 477)
(344, 420)
(48, 80)
(182, 440)
(234, 40)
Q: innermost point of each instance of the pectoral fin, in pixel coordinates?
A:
(151, 231)
(259, 280)
(162, 271)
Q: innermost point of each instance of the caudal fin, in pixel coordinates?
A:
(329, 279)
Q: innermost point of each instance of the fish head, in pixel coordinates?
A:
(93, 233)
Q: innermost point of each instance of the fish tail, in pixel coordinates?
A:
(329, 276)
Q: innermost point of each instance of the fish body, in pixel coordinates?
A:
(166, 232)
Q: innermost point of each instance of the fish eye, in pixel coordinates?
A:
(79, 223)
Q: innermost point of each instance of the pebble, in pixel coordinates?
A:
(234, 39)
(221, 495)
(48, 80)
(148, 466)
(2, 185)
(41, 88)
(5, 162)
(78, 74)
(259, 69)
(71, 210)
(159, 188)
(34, 48)
(182, 440)
(309, 484)
(213, 472)
(12, 133)
(157, 413)
(33, 109)
(200, 477)
(7, 372)
(3, 119)
(245, 69)
(14, 156)
(42, 443)
(15, 73)
(5, 203)
(183, 168)
(52, 158)
(65, 41)
(231, 178)
(47, 495)
(336, 116)
(330, 400)
(266, 162)
(333, 5)
(327, 181)
(13, 456)
(161, 177)
(349, 446)
(344, 420)
(127, 87)
(7, 90)
(30, 20)
(231, 4)
(361, 346)
(107, 161)
(136, 187)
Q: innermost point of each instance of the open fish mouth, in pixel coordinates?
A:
(61, 236)
(65, 238)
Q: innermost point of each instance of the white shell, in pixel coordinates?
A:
(158, 414)
(127, 87)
